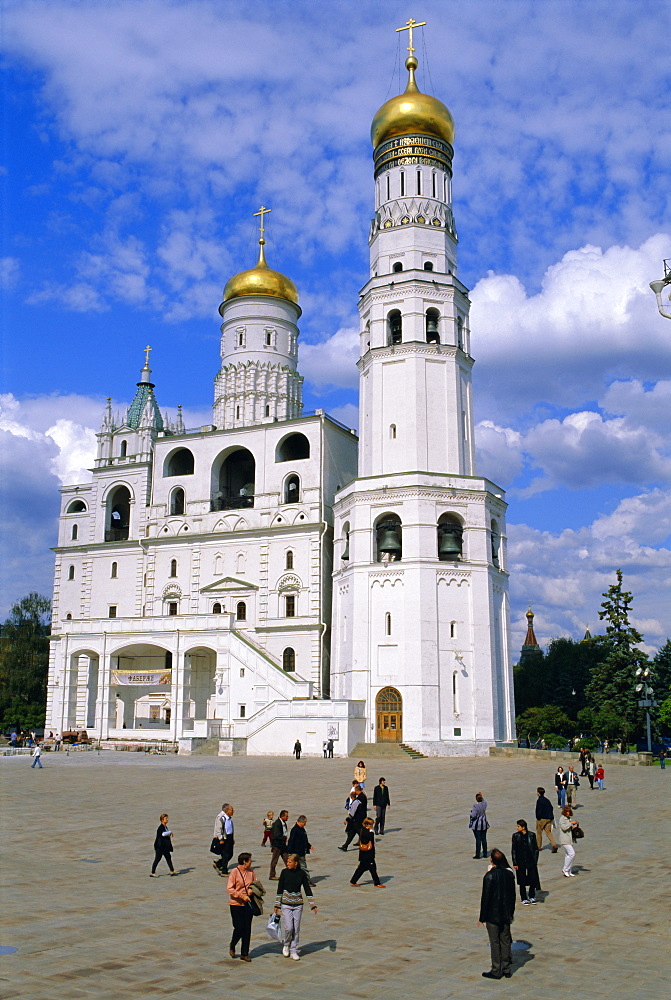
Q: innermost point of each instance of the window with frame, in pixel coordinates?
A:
(242, 711)
(172, 608)
(290, 606)
(71, 573)
(289, 660)
(173, 567)
(114, 570)
(216, 609)
(112, 611)
(289, 563)
(74, 534)
(241, 611)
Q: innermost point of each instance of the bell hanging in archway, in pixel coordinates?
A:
(388, 540)
(449, 541)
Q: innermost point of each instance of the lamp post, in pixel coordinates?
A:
(647, 700)
(662, 290)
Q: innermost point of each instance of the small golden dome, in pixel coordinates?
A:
(261, 280)
(411, 112)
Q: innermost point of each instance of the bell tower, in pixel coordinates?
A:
(420, 584)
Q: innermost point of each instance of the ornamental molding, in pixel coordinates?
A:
(171, 590)
(410, 287)
(289, 582)
(411, 493)
(387, 575)
(453, 577)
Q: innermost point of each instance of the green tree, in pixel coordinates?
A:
(24, 661)
(661, 672)
(665, 712)
(544, 719)
(612, 682)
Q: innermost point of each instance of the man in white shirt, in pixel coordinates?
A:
(572, 783)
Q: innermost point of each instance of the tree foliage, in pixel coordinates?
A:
(546, 719)
(661, 672)
(551, 678)
(24, 662)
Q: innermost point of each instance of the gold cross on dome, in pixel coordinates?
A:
(408, 27)
(262, 227)
(146, 356)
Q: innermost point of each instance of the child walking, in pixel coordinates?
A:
(366, 856)
(600, 777)
(267, 828)
(163, 846)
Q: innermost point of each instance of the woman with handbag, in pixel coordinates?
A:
(565, 827)
(479, 825)
(290, 900)
(366, 856)
(237, 886)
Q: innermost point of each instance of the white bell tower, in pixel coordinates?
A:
(420, 621)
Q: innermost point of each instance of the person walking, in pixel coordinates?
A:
(564, 826)
(278, 843)
(363, 799)
(37, 756)
(572, 785)
(267, 824)
(525, 862)
(352, 823)
(600, 776)
(289, 900)
(297, 749)
(479, 825)
(591, 771)
(299, 844)
(497, 910)
(560, 787)
(238, 884)
(163, 846)
(329, 747)
(366, 856)
(544, 817)
(381, 802)
(582, 756)
(225, 833)
(662, 759)
(360, 774)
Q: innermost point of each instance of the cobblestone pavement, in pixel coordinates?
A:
(86, 920)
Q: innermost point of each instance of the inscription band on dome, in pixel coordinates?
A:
(413, 149)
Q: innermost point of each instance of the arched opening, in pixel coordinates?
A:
(113, 571)
(495, 538)
(345, 534)
(450, 537)
(289, 660)
(216, 608)
(118, 507)
(387, 623)
(392, 431)
(397, 266)
(180, 463)
(455, 700)
(292, 489)
(394, 327)
(289, 562)
(76, 507)
(293, 448)
(235, 482)
(388, 538)
(123, 451)
(74, 534)
(71, 573)
(177, 501)
(389, 713)
(241, 611)
(173, 568)
(68, 617)
(460, 333)
(428, 265)
(453, 630)
(432, 334)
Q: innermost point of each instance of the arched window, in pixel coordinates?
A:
(453, 630)
(345, 534)
(392, 431)
(394, 327)
(241, 611)
(74, 534)
(450, 537)
(216, 609)
(113, 571)
(460, 333)
(397, 267)
(118, 506)
(419, 182)
(180, 463)
(173, 567)
(76, 507)
(177, 501)
(293, 448)
(234, 483)
(402, 183)
(495, 541)
(289, 560)
(432, 334)
(388, 538)
(289, 660)
(428, 265)
(455, 703)
(387, 624)
(71, 573)
(433, 184)
(292, 489)
(267, 411)
(68, 617)
(123, 451)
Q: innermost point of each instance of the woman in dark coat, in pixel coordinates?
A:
(366, 856)
(163, 846)
(525, 862)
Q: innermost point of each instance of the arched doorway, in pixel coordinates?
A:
(389, 712)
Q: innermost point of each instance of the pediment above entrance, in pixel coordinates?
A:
(228, 584)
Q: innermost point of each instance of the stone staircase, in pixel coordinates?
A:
(206, 747)
(385, 751)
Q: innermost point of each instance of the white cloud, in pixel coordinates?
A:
(499, 452)
(76, 451)
(10, 269)
(333, 361)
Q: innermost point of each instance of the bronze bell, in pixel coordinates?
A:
(388, 540)
(432, 336)
(449, 541)
(395, 328)
(345, 554)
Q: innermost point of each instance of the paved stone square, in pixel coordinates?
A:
(87, 921)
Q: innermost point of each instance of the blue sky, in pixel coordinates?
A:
(141, 136)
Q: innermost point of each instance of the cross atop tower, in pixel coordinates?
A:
(146, 356)
(408, 27)
(263, 211)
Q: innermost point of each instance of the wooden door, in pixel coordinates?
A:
(389, 712)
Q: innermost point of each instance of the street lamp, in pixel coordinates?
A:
(662, 290)
(647, 700)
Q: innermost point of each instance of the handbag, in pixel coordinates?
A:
(367, 846)
(577, 833)
(273, 929)
(215, 846)
(471, 821)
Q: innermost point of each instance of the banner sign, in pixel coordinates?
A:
(145, 678)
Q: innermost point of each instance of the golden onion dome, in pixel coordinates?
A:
(412, 112)
(261, 280)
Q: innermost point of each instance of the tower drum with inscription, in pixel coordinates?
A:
(421, 616)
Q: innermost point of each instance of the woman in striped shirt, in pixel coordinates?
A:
(290, 900)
